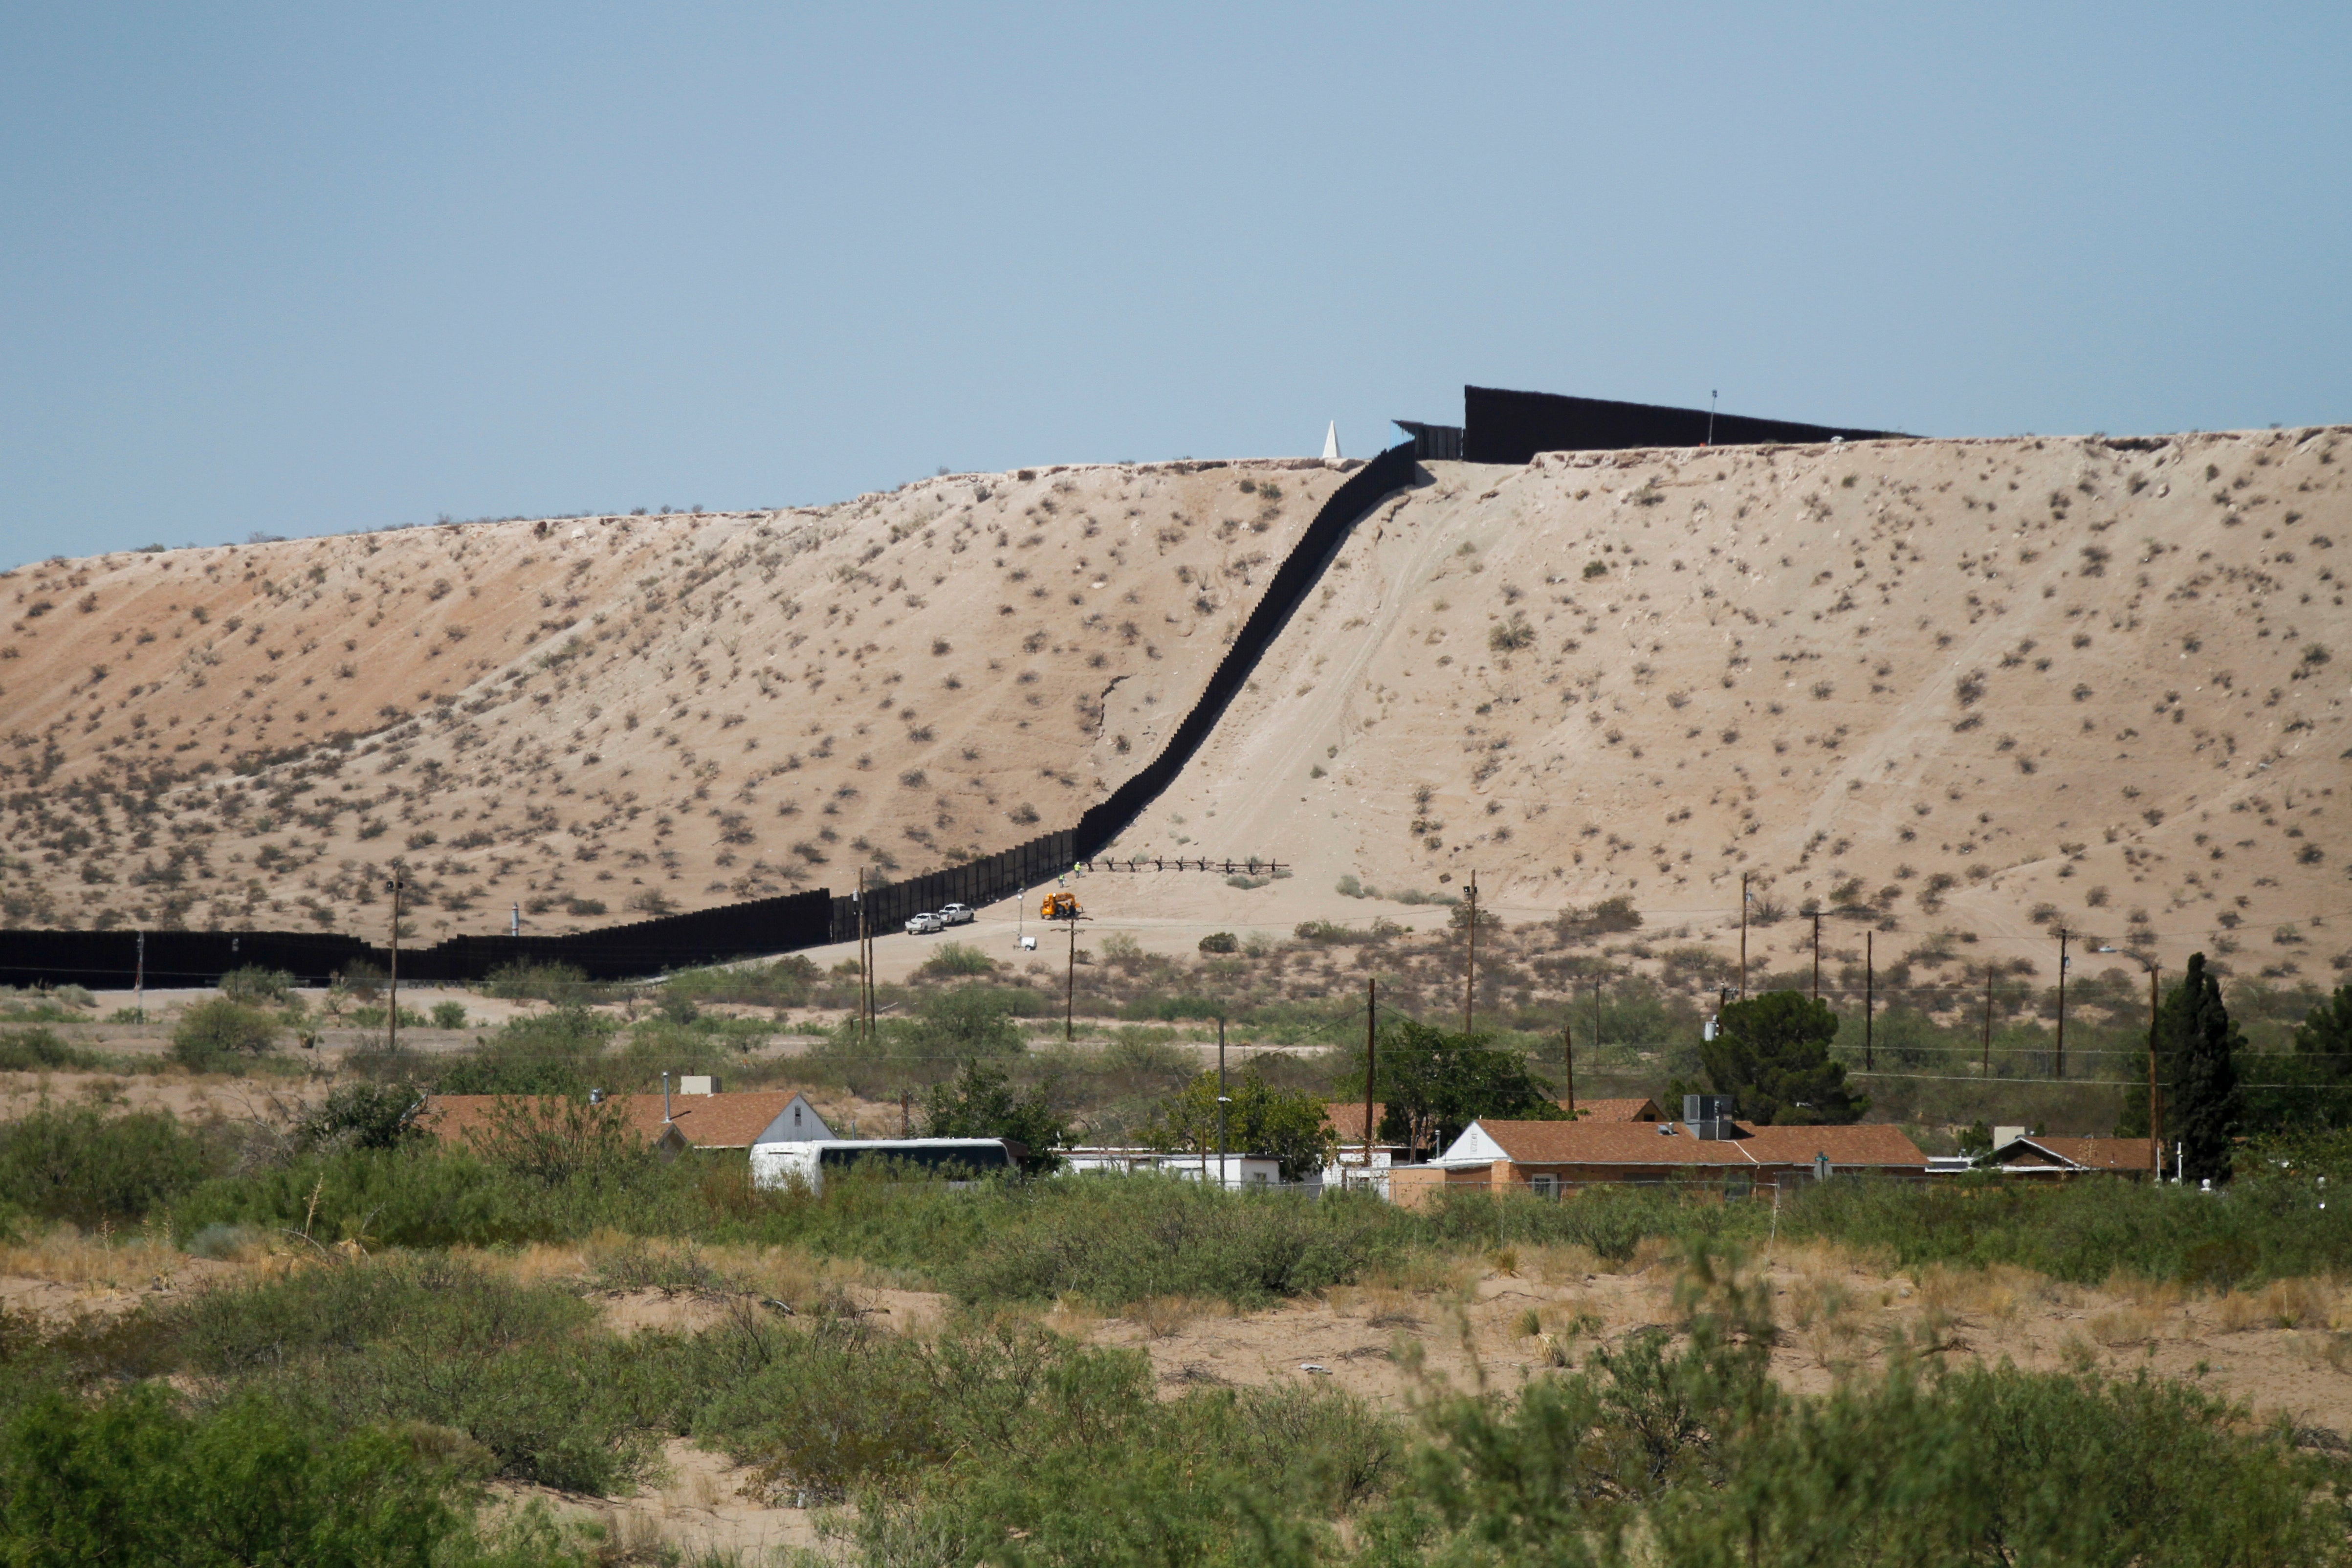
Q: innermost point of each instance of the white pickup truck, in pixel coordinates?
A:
(955, 914)
(924, 924)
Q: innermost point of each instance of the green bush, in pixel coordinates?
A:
(219, 1029)
(132, 1478)
(518, 1369)
(564, 984)
(553, 1053)
(71, 1164)
(31, 1050)
(956, 959)
(257, 987)
(448, 1015)
(784, 983)
(1221, 941)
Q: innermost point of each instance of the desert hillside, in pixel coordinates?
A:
(1986, 686)
(604, 717)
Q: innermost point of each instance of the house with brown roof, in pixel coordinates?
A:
(2044, 1157)
(1553, 1159)
(672, 1121)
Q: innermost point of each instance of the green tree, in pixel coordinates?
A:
(1771, 1055)
(2194, 1032)
(980, 1103)
(1433, 1084)
(2325, 1035)
(1260, 1120)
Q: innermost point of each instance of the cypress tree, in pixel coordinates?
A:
(2195, 1032)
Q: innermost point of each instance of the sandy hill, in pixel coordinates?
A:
(1981, 684)
(602, 716)
(1985, 687)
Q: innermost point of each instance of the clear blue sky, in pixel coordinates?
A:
(308, 269)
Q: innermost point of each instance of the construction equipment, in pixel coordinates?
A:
(1059, 907)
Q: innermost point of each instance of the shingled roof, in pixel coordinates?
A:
(702, 1121)
(2082, 1153)
(1580, 1142)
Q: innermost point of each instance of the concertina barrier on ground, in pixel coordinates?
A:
(109, 959)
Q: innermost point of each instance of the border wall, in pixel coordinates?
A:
(108, 959)
(1501, 426)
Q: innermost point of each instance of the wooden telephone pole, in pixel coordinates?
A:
(1743, 936)
(1371, 1057)
(2059, 1068)
(392, 1005)
(1470, 975)
(2155, 1094)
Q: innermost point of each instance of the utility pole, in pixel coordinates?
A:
(2154, 1095)
(1869, 995)
(2059, 1068)
(905, 1113)
(392, 1008)
(1817, 955)
(1371, 1057)
(1470, 978)
(1743, 936)
(138, 981)
(1070, 991)
(1568, 1059)
(1986, 1071)
(1224, 1100)
(1596, 1012)
(865, 970)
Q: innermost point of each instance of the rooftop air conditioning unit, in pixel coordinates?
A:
(1709, 1115)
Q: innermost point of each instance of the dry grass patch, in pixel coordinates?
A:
(2281, 1304)
(96, 1261)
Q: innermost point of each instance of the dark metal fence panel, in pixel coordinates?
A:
(184, 958)
(1501, 426)
(1391, 470)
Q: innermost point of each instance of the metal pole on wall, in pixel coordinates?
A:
(138, 981)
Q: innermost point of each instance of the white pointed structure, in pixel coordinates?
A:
(1331, 443)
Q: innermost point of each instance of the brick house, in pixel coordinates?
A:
(1553, 1159)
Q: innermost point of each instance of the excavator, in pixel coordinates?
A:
(1059, 907)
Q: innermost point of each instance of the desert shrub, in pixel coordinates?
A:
(134, 1479)
(31, 1050)
(219, 1029)
(553, 1053)
(955, 960)
(516, 1368)
(1120, 1240)
(257, 987)
(785, 982)
(365, 1114)
(1221, 941)
(448, 1015)
(564, 984)
(71, 1164)
(1699, 1455)
(971, 1022)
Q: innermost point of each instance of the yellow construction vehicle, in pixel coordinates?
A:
(1059, 907)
